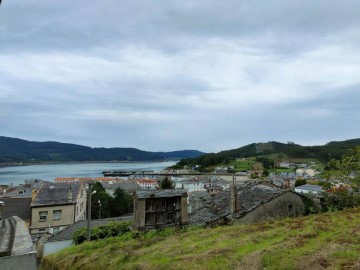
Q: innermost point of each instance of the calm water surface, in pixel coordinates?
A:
(18, 174)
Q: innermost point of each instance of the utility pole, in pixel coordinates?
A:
(89, 212)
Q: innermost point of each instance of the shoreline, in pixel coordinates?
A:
(19, 164)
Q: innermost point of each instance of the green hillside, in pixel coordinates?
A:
(321, 153)
(323, 241)
(17, 150)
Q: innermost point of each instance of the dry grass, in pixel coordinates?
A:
(325, 241)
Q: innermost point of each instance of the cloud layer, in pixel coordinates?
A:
(178, 75)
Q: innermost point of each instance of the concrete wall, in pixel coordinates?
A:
(26, 261)
(286, 205)
(81, 205)
(52, 247)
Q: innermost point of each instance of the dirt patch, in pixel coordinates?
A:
(314, 262)
(319, 260)
(251, 261)
(352, 265)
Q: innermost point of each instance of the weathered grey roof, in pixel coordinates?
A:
(251, 194)
(17, 207)
(67, 233)
(161, 193)
(57, 193)
(24, 189)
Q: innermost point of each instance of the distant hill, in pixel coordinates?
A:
(331, 150)
(17, 150)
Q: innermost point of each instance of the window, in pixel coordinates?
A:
(57, 214)
(43, 215)
(56, 230)
(290, 208)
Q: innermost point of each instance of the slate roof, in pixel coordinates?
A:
(251, 194)
(57, 194)
(67, 233)
(24, 188)
(17, 207)
(161, 193)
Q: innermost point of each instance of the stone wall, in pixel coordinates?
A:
(288, 204)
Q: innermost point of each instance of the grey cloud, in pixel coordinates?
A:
(181, 74)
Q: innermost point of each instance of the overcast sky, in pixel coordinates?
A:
(170, 75)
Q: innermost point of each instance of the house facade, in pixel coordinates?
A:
(56, 206)
(147, 183)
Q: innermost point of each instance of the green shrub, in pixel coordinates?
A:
(100, 232)
(300, 182)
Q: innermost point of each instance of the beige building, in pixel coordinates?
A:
(56, 206)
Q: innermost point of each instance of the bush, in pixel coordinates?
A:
(340, 199)
(300, 182)
(100, 232)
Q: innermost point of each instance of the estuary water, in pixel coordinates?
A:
(18, 174)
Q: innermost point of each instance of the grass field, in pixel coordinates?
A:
(323, 241)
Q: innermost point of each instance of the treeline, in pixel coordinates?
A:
(17, 150)
(324, 153)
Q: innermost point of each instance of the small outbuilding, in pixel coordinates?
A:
(160, 208)
(249, 202)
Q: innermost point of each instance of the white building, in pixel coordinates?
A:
(309, 189)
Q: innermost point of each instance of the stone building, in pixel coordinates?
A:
(160, 208)
(249, 202)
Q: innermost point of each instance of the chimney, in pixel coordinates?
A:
(1, 209)
(234, 203)
(70, 195)
(34, 193)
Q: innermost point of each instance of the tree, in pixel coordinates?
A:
(122, 202)
(102, 209)
(348, 171)
(166, 183)
(300, 182)
(348, 168)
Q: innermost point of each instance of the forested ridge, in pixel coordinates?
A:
(18, 150)
(323, 153)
